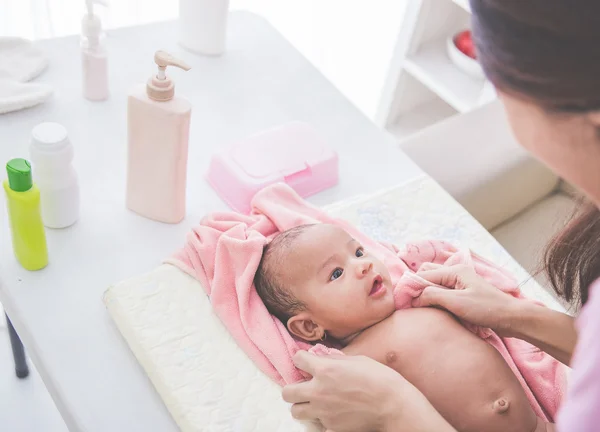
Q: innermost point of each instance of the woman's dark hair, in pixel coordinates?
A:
(546, 51)
(572, 260)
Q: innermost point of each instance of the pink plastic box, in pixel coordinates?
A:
(293, 153)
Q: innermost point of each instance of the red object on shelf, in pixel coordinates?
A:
(464, 42)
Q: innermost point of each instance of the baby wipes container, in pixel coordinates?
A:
(293, 153)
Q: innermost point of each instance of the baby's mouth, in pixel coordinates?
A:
(378, 286)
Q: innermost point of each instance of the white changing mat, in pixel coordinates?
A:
(204, 378)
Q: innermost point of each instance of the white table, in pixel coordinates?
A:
(262, 81)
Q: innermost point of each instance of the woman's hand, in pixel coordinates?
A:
(469, 297)
(479, 302)
(356, 394)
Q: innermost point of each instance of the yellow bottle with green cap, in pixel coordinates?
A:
(24, 213)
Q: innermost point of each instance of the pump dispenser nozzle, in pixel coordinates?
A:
(91, 26)
(90, 5)
(160, 87)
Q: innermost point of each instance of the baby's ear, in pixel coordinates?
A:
(303, 327)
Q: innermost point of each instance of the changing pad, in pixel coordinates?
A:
(205, 380)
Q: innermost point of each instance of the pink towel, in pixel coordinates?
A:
(224, 251)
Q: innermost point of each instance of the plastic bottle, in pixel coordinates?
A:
(52, 155)
(158, 125)
(94, 58)
(203, 25)
(23, 204)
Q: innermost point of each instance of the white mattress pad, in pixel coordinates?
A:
(205, 380)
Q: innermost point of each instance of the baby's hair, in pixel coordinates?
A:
(276, 297)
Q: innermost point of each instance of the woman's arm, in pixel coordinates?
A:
(549, 330)
(579, 411)
(475, 300)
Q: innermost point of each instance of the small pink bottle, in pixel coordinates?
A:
(94, 58)
(158, 134)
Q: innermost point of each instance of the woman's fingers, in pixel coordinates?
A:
(346, 394)
(297, 393)
(448, 276)
(319, 426)
(310, 363)
(305, 361)
(303, 411)
(429, 266)
(469, 297)
(434, 296)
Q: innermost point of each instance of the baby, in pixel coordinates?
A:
(323, 285)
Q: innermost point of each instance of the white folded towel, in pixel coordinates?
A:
(15, 95)
(21, 61)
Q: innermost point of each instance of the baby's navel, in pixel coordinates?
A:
(501, 405)
(390, 357)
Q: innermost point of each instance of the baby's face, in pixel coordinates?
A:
(344, 287)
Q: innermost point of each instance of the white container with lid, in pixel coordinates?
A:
(203, 25)
(52, 155)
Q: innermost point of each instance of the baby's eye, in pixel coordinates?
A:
(360, 252)
(337, 273)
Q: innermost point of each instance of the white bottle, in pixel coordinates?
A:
(203, 25)
(51, 153)
(94, 59)
(158, 124)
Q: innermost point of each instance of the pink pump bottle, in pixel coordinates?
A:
(158, 134)
(94, 58)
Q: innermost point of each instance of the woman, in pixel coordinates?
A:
(544, 58)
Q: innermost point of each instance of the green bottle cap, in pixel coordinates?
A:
(19, 175)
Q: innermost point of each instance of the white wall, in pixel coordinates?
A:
(350, 41)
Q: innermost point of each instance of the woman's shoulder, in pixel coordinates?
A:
(580, 411)
(590, 312)
(595, 287)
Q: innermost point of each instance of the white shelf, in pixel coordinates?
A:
(421, 117)
(423, 85)
(432, 66)
(464, 4)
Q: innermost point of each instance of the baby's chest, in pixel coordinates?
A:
(411, 331)
(451, 366)
(423, 344)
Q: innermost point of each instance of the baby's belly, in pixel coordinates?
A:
(464, 378)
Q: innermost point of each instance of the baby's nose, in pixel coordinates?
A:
(364, 267)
